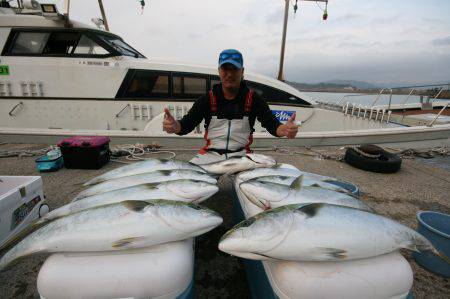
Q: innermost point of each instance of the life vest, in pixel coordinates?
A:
(231, 136)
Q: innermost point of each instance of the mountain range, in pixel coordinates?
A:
(334, 85)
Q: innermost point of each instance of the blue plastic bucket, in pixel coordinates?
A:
(346, 185)
(436, 228)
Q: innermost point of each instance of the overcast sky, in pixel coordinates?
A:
(383, 41)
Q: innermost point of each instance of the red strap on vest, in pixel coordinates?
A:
(248, 102)
(212, 101)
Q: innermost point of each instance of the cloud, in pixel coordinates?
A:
(348, 17)
(441, 41)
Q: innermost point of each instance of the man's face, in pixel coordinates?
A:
(230, 76)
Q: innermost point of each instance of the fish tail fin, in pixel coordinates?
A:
(421, 244)
(441, 255)
(7, 262)
(91, 182)
(14, 256)
(10, 243)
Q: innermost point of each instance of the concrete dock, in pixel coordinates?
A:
(417, 186)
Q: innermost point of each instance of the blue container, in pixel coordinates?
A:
(436, 228)
(47, 164)
(352, 188)
(189, 292)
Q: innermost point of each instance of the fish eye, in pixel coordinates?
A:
(247, 222)
(193, 206)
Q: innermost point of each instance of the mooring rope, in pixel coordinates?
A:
(338, 154)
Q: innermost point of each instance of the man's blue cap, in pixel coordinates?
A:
(231, 56)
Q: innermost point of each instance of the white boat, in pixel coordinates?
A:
(62, 78)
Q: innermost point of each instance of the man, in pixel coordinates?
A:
(229, 111)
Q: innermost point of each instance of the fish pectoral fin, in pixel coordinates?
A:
(249, 255)
(263, 256)
(136, 205)
(230, 164)
(126, 243)
(329, 253)
(297, 183)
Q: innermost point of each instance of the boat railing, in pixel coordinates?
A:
(14, 110)
(122, 110)
(377, 97)
(383, 113)
(359, 111)
(391, 92)
(437, 115)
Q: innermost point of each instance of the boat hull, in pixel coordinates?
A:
(403, 137)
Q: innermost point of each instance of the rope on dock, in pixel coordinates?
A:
(338, 154)
(137, 152)
(24, 153)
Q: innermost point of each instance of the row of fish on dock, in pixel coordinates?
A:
(304, 216)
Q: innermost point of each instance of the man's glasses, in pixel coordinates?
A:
(225, 56)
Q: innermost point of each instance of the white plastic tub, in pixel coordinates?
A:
(161, 271)
(21, 202)
(385, 276)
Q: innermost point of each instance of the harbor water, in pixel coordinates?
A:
(363, 99)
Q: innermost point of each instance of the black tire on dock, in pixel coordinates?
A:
(373, 158)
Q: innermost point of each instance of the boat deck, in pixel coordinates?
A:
(417, 186)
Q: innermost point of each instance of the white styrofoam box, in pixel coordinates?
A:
(161, 271)
(21, 201)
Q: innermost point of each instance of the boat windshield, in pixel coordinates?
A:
(121, 46)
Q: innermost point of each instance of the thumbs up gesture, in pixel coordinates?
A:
(289, 129)
(170, 124)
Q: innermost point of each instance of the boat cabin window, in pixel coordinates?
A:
(30, 43)
(148, 84)
(120, 46)
(66, 43)
(88, 46)
(188, 86)
(61, 43)
(273, 95)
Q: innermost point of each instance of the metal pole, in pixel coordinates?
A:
(283, 41)
(67, 8)
(102, 10)
(437, 116)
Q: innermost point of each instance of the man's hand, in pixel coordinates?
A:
(289, 130)
(170, 124)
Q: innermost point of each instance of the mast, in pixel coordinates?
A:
(283, 39)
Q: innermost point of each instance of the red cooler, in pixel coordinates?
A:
(85, 152)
